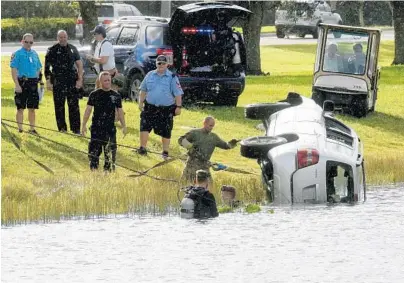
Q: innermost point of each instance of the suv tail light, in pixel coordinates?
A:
(79, 22)
(307, 157)
(107, 22)
(194, 30)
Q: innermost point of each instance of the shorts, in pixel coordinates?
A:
(29, 97)
(157, 118)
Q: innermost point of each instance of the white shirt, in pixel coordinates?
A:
(106, 50)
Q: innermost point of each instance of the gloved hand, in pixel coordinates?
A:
(233, 142)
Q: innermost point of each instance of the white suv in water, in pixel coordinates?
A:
(306, 156)
(303, 17)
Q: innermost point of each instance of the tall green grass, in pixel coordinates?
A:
(30, 194)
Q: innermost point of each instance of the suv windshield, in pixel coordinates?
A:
(157, 35)
(105, 11)
(347, 54)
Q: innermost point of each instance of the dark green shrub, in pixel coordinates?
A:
(42, 29)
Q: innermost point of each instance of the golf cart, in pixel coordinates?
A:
(346, 70)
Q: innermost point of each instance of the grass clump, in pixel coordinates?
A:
(252, 208)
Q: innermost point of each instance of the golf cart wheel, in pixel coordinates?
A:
(134, 90)
(262, 111)
(258, 147)
(359, 107)
(318, 98)
(280, 33)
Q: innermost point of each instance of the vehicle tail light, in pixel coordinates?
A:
(164, 51)
(107, 22)
(79, 22)
(307, 157)
(194, 30)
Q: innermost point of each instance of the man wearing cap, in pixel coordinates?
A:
(104, 55)
(160, 100)
(25, 71)
(200, 144)
(64, 75)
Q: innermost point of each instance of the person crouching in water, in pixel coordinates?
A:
(103, 132)
(198, 202)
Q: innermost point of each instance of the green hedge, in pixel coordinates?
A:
(41, 28)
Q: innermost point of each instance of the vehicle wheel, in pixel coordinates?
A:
(318, 98)
(134, 91)
(301, 35)
(359, 107)
(258, 147)
(261, 111)
(227, 100)
(280, 33)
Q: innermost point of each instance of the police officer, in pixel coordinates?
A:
(200, 144)
(105, 102)
(65, 78)
(25, 70)
(160, 99)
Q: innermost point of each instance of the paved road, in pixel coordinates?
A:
(267, 39)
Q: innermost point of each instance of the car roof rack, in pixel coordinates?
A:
(143, 18)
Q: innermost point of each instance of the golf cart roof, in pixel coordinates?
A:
(351, 28)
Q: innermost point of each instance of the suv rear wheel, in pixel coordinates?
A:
(227, 99)
(134, 90)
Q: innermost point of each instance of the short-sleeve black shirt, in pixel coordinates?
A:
(61, 59)
(104, 103)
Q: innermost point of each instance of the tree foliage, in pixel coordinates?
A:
(39, 9)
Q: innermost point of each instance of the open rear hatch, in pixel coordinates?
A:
(203, 41)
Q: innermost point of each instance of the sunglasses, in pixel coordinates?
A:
(161, 63)
(29, 42)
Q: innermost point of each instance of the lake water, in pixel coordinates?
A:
(316, 243)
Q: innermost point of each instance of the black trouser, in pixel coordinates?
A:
(102, 140)
(62, 90)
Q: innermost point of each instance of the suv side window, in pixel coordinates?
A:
(112, 34)
(128, 36)
(156, 35)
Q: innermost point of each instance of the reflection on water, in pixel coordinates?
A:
(360, 243)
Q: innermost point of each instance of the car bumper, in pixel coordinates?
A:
(210, 88)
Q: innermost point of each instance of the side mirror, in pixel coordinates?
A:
(328, 106)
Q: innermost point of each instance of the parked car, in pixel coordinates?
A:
(303, 17)
(137, 42)
(209, 57)
(107, 13)
(346, 70)
(306, 155)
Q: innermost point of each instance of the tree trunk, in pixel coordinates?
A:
(398, 22)
(252, 36)
(90, 18)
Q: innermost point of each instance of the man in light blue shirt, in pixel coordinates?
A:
(160, 100)
(25, 70)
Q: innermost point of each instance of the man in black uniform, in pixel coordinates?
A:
(65, 79)
(103, 132)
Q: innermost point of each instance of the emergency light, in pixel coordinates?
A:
(194, 30)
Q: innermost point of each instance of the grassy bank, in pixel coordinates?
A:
(29, 193)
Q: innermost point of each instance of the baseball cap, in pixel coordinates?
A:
(100, 30)
(161, 58)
